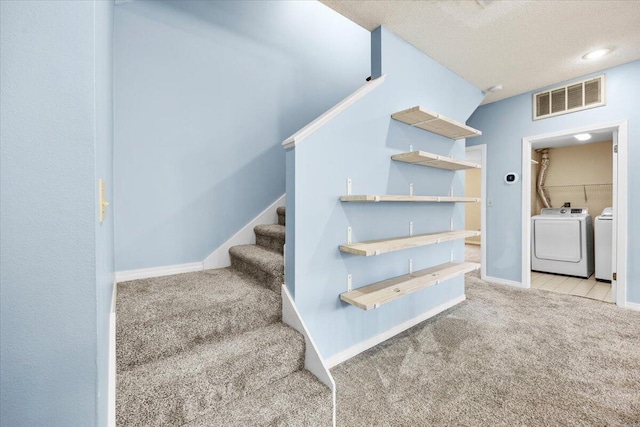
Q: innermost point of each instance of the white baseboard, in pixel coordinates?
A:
(632, 306)
(111, 408)
(502, 281)
(167, 270)
(312, 359)
(220, 257)
(371, 342)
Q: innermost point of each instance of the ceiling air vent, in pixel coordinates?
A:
(567, 99)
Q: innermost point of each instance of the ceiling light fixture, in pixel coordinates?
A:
(595, 54)
(582, 136)
(496, 88)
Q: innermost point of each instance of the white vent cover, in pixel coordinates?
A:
(567, 99)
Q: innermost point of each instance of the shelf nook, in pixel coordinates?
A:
(423, 158)
(404, 198)
(372, 296)
(436, 123)
(377, 247)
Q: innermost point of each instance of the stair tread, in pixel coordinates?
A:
(262, 258)
(182, 387)
(297, 399)
(270, 230)
(160, 316)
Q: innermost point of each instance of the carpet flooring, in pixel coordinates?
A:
(209, 349)
(504, 357)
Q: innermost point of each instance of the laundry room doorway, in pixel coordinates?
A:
(562, 207)
(475, 213)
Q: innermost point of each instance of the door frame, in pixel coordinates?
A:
(620, 189)
(482, 149)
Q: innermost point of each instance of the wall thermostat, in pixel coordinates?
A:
(511, 178)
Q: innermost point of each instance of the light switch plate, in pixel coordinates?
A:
(102, 197)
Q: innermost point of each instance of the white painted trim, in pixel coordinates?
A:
(167, 270)
(330, 114)
(483, 206)
(620, 218)
(373, 341)
(220, 257)
(620, 187)
(111, 406)
(503, 281)
(632, 306)
(312, 359)
(526, 214)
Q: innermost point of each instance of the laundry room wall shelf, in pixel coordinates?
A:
(423, 158)
(436, 123)
(377, 247)
(372, 296)
(374, 198)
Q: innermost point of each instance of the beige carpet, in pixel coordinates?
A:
(504, 357)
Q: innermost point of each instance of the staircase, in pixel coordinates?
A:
(209, 348)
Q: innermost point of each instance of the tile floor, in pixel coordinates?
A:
(578, 286)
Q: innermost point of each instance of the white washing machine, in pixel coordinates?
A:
(603, 226)
(562, 242)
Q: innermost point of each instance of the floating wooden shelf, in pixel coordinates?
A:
(400, 198)
(423, 158)
(436, 123)
(372, 296)
(377, 247)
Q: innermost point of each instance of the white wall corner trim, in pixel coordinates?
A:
(632, 306)
(111, 406)
(373, 341)
(167, 270)
(503, 281)
(333, 112)
(220, 257)
(312, 359)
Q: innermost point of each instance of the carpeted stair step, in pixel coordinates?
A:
(270, 236)
(281, 211)
(181, 388)
(159, 317)
(296, 400)
(266, 266)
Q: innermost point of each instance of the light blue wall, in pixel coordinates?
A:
(55, 262)
(205, 94)
(358, 144)
(505, 123)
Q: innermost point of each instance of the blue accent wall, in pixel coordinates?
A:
(205, 94)
(56, 261)
(505, 123)
(358, 144)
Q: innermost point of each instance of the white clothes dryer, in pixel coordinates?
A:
(562, 242)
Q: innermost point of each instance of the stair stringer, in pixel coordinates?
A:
(313, 361)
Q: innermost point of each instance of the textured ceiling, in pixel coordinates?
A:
(522, 45)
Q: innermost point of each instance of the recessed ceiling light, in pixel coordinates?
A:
(595, 54)
(496, 88)
(582, 136)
